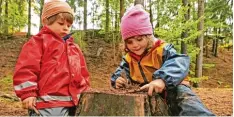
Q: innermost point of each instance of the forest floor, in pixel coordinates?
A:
(216, 92)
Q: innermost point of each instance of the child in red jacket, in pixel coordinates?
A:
(51, 71)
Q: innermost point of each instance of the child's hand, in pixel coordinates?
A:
(157, 86)
(30, 103)
(120, 82)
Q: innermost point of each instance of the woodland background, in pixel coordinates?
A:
(203, 29)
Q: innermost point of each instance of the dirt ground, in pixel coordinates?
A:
(216, 92)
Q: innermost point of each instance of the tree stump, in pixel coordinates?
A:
(109, 103)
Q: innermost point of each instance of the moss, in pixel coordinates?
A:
(207, 66)
(6, 84)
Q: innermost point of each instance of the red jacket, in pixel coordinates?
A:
(52, 70)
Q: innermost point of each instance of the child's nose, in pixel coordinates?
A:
(65, 27)
(134, 44)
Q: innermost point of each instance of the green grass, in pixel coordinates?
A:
(198, 80)
(207, 66)
(6, 84)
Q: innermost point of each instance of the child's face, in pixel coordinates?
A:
(61, 27)
(137, 44)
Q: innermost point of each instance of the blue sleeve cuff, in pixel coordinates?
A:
(123, 67)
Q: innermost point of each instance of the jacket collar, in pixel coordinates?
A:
(47, 30)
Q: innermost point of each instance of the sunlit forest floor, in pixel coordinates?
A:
(216, 92)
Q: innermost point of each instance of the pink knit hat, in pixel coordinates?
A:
(54, 7)
(135, 22)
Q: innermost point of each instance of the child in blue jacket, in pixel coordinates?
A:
(155, 65)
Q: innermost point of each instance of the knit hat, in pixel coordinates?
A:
(135, 22)
(54, 7)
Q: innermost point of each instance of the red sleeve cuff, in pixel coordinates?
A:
(28, 94)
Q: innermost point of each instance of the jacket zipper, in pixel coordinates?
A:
(142, 73)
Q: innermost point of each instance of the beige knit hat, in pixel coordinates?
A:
(54, 7)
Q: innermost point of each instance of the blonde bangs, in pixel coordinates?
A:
(147, 37)
(65, 16)
(68, 17)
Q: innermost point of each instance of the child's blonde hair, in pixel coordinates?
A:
(148, 37)
(65, 16)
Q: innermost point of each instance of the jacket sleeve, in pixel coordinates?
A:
(27, 69)
(174, 68)
(123, 68)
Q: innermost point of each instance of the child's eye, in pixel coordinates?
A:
(139, 39)
(60, 23)
(129, 42)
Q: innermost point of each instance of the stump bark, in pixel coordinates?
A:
(105, 103)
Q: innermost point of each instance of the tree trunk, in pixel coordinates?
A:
(121, 9)
(213, 45)
(217, 44)
(183, 44)
(151, 14)
(113, 43)
(207, 51)
(85, 15)
(216, 47)
(185, 33)
(107, 20)
(158, 6)
(1, 1)
(41, 7)
(214, 42)
(85, 20)
(94, 8)
(116, 21)
(199, 56)
(115, 104)
(6, 17)
(112, 16)
(206, 45)
(139, 2)
(1, 19)
(21, 11)
(29, 18)
(158, 13)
